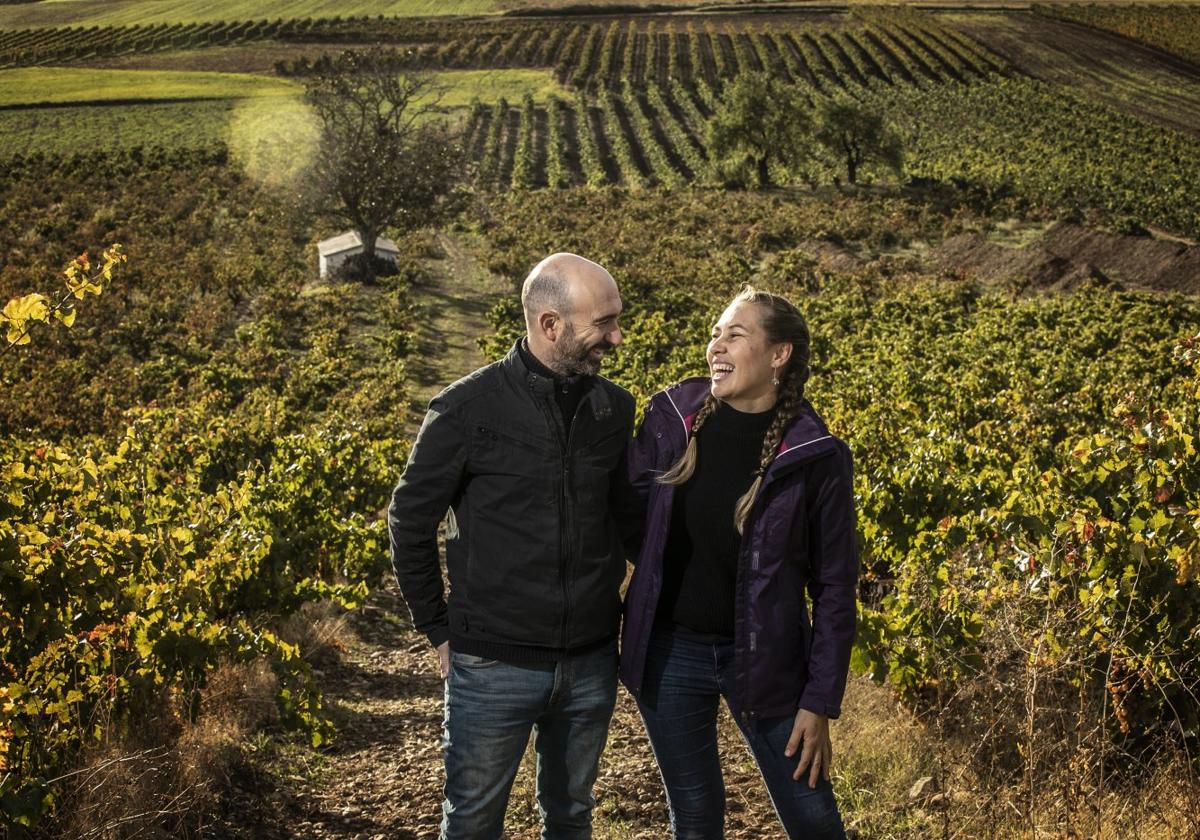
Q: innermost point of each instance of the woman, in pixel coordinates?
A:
(749, 506)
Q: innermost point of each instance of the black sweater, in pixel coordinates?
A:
(700, 559)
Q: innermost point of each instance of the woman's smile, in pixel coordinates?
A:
(742, 362)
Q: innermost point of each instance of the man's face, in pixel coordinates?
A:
(590, 331)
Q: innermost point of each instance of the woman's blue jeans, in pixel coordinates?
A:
(683, 685)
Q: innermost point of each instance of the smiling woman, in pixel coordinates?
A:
(749, 513)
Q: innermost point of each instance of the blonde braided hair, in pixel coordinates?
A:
(782, 323)
(686, 465)
(790, 396)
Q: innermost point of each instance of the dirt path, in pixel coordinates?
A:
(452, 314)
(382, 776)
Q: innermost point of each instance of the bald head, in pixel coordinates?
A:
(571, 307)
(554, 284)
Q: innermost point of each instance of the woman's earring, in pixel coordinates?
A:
(775, 377)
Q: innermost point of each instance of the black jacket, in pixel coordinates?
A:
(533, 550)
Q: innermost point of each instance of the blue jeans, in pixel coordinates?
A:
(491, 708)
(683, 685)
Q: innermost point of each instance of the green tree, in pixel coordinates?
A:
(853, 135)
(761, 121)
(386, 158)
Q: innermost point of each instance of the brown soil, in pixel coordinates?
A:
(570, 134)
(595, 122)
(625, 126)
(1069, 254)
(382, 777)
(660, 136)
(1119, 72)
(831, 257)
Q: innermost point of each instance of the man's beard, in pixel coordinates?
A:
(571, 356)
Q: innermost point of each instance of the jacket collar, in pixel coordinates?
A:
(542, 387)
(805, 437)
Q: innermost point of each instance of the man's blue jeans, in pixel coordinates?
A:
(684, 683)
(491, 708)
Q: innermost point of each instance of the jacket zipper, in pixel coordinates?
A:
(564, 531)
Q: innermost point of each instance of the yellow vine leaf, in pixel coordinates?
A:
(31, 306)
(66, 317)
(20, 311)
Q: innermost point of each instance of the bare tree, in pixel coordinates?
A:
(388, 157)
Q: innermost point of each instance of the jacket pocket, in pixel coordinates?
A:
(487, 436)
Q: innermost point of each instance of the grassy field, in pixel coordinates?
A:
(30, 86)
(459, 87)
(267, 128)
(58, 85)
(172, 125)
(127, 12)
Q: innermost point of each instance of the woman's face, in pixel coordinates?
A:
(741, 361)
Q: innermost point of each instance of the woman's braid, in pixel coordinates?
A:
(791, 395)
(686, 465)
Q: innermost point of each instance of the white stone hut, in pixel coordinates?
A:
(333, 252)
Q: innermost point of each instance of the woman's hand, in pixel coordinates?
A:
(813, 730)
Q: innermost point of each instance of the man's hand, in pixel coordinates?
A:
(813, 730)
(443, 651)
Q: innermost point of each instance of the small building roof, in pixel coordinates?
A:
(350, 241)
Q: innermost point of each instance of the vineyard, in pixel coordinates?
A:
(204, 455)
(1175, 29)
(21, 47)
(126, 12)
(638, 95)
(644, 95)
(644, 99)
(1024, 466)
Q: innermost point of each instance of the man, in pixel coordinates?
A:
(525, 454)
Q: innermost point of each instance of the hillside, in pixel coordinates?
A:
(199, 636)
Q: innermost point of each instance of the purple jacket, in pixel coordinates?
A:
(799, 536)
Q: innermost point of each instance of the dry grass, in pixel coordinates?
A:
(162, 777)
(321, 631)
(1026, 747)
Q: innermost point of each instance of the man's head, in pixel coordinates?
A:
(571, 309)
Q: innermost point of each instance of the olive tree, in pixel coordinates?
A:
(852, 135)
(761, 121)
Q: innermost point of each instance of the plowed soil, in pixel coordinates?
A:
(1122, 73)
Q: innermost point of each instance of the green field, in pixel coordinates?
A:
(172, 125)
(459, 87)
(129, 12)
(266, 127)
(57, 85)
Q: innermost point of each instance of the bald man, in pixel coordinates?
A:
(526, 455)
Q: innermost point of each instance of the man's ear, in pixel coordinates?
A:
(550, 324)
